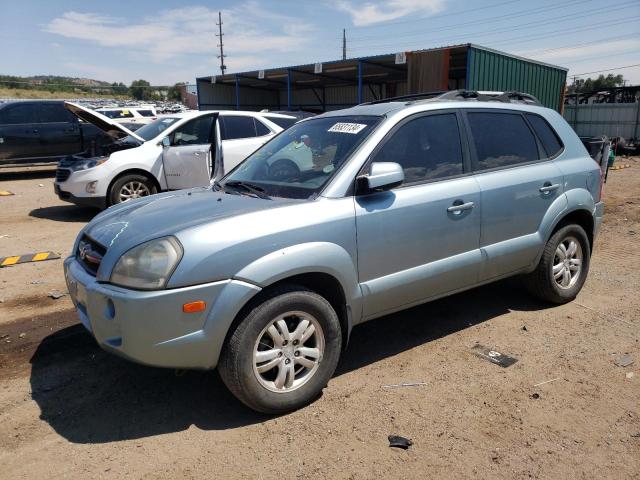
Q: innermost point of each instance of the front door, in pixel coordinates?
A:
(59, 130)
(239, 139)
(20, 132)
(188, 159)
(421, 239)
(517, 183)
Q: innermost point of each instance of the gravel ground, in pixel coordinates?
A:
(70, 410)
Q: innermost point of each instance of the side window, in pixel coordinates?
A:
(261, 128)
(195, 132)
(502, 139)
(546, 134)
(283, 122)
(55, 112)
(25, 113)
(427, 147)
(238, 126)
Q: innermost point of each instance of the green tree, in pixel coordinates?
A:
(140, 90)
(174, 92)
(580, 85)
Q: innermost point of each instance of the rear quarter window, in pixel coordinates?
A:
(282, 122)
(547, 135)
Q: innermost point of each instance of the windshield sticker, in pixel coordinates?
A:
(352, 128)
(328, 168)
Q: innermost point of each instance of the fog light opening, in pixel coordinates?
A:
(193, 307)
(110, 310)
(91, 186)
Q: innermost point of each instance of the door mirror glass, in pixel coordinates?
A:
(383, 176)
(165, 142)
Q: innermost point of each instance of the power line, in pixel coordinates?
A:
(605, 70)
(516, 14)
(440, 15)
(580, 45)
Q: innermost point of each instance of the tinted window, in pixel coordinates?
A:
(55, 112)
(237, 126)
(547, 136)
(282, 122)
(502, 139)
(25, 113)
(427, 148)
(261, 128)
(195, 132)
(146, 113)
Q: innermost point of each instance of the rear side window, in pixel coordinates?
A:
(261, 128)
(16, 114)
(282, 122)
(146, 113)
(427, 148)
(238, 126)
(501, 139)
(546, 134)
(55, 112)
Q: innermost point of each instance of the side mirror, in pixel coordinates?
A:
(165, 142)
(382, 176)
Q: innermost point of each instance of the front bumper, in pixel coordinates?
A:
(149, 327)
(93, 202)
(598, 216)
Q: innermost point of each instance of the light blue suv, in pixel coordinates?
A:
(264, 273)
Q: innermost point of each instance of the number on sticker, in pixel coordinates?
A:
(352, 128)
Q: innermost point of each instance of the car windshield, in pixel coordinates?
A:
(299, 162)
(155, 128)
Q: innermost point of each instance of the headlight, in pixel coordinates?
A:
(89, 163)
(148, 266)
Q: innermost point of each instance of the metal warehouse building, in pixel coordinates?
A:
(343, 83)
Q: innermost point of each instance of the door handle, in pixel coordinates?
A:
(458, 208)
(197, 153)
(547, 187)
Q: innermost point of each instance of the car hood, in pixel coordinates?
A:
(122, 227)
(107, 125)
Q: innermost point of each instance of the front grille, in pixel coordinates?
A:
(90, 254)
(62, 174)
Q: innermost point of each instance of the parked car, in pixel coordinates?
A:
(182, 150)
(144, 115)
(264, 277)
(43, 131)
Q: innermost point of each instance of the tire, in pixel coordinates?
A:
(269, 390)
(139, 185)
(542, 282)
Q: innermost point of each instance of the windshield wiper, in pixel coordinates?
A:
(257, 190)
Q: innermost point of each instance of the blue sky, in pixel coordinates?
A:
(168, 41)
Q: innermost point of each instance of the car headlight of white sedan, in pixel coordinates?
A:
(149, 265)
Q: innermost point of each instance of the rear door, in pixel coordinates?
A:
(413, 241)
(518, 183)
(241, 136)
(19, 132)
(188, 159)
(59, 130)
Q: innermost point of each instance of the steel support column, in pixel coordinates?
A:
(288, 89)
(237, 93)
(359, 81)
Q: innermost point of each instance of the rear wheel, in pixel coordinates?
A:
(130, 187)
(283, 352)
(563, 267)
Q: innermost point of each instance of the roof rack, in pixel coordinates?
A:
(480, 96)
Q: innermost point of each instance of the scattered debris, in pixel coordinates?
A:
(6, 193)
(624, 361)
(56, 294)
(535, 396)
(547, 381)
(493, 356)
(396, 441)
(4, 335)
(41, 184)
(396, 385)
(22, 335)
(37, 282)
(630, 374)
(524, 328)
(5, 236)
(636, 435)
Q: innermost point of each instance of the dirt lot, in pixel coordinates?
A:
(70, 410)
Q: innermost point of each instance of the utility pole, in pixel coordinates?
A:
(344, 44)
(222, 56)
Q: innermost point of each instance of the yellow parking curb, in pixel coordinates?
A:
(27, 257)
(6, 193)
(620, 167)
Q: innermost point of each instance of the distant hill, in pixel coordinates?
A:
(57, 83)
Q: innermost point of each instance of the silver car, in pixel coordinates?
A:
(264, 273)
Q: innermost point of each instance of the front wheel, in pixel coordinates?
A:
(283, 352)
(563, 267)
(129, 187)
